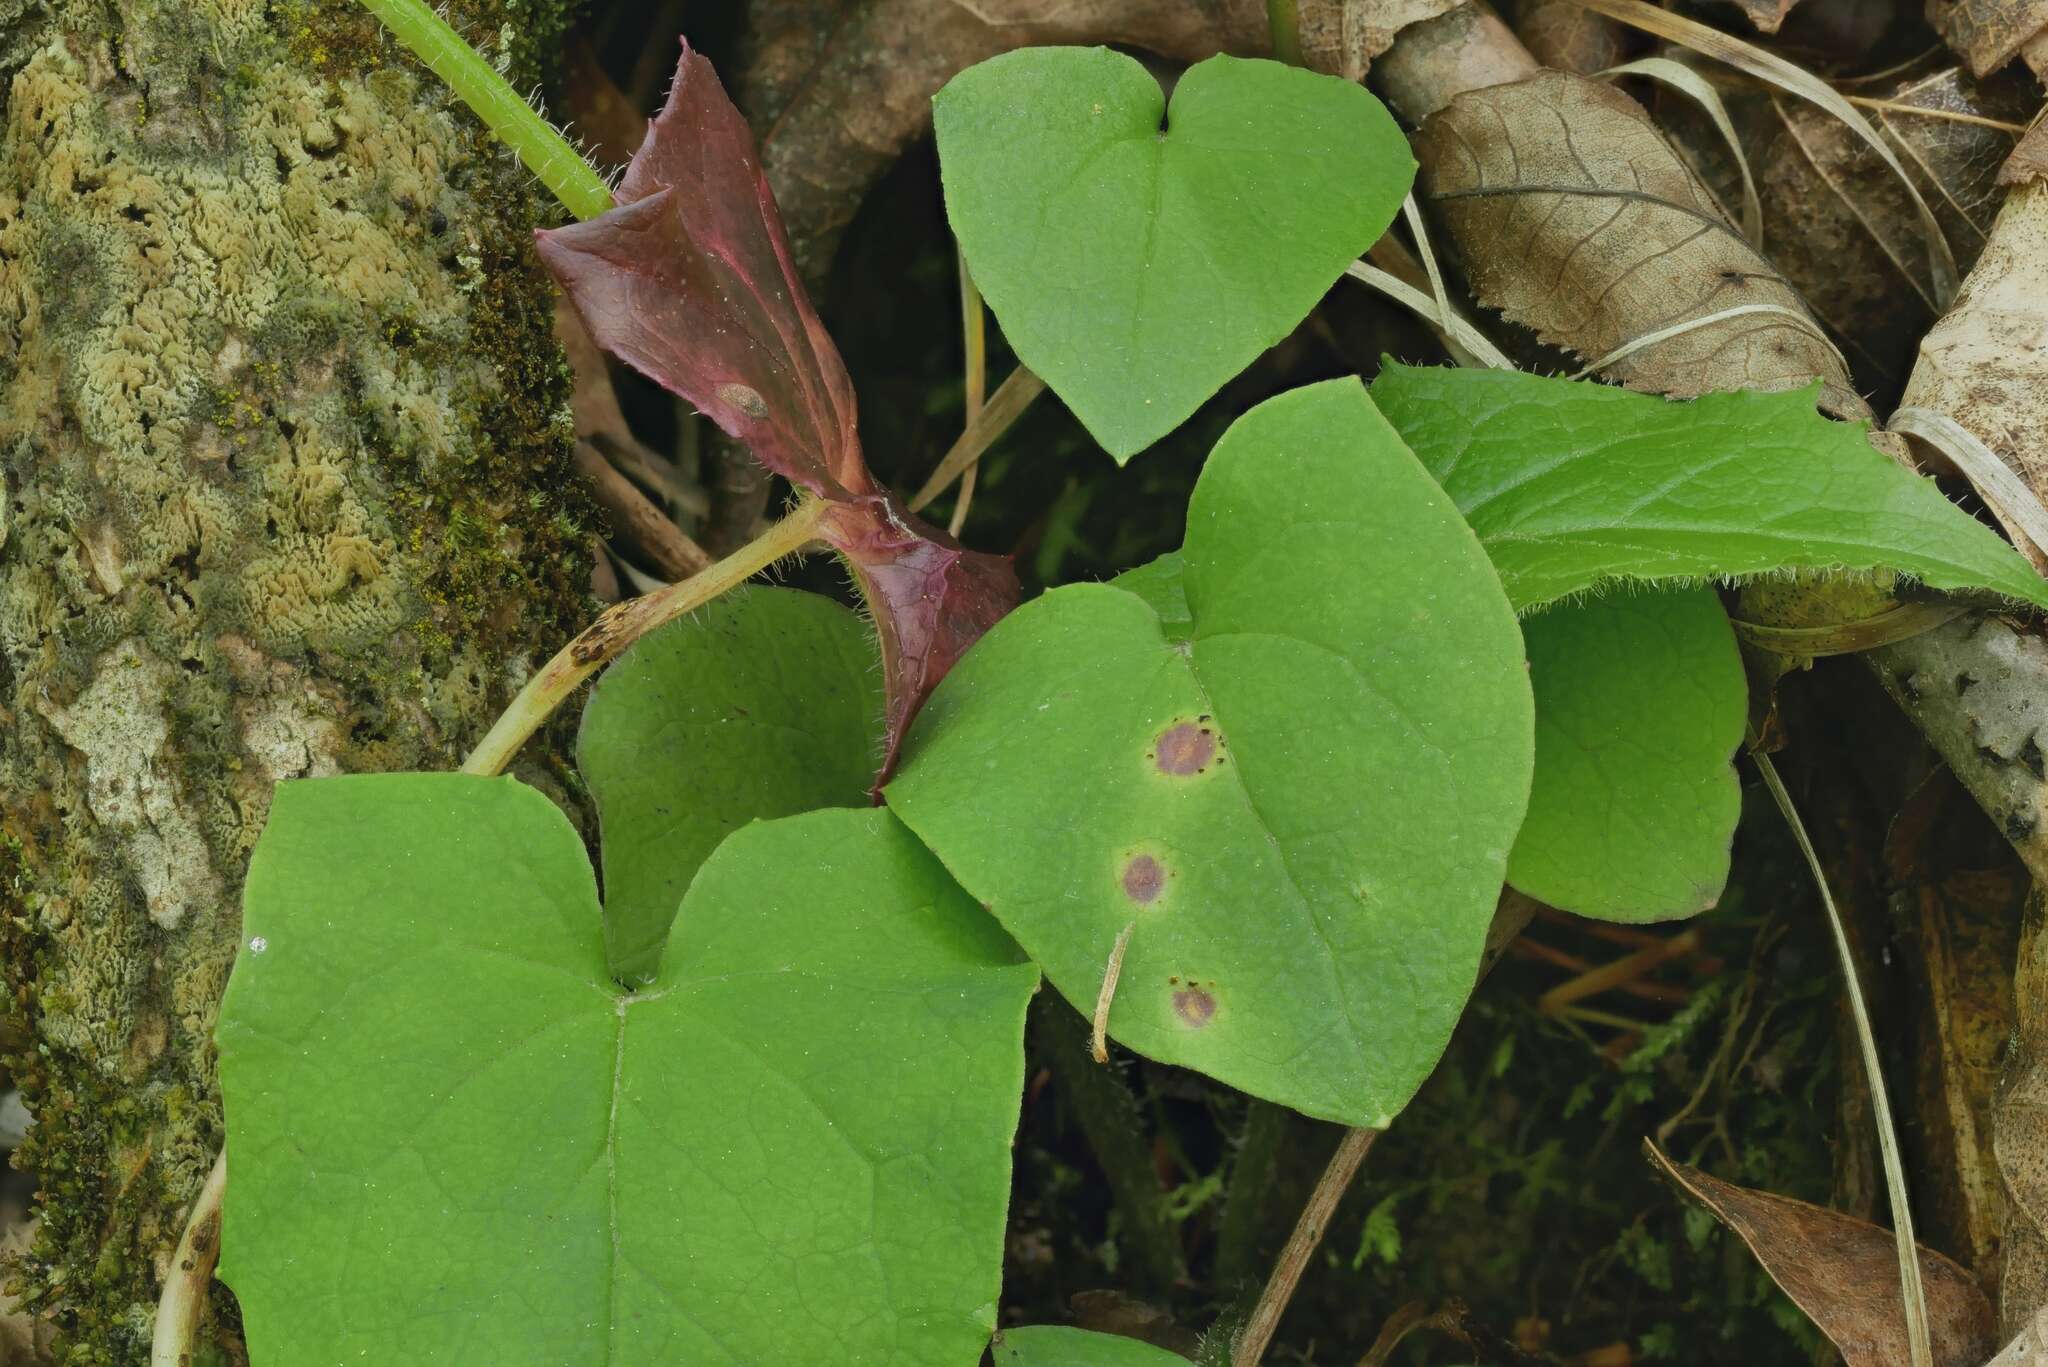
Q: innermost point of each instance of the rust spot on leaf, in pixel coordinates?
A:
(1184, 748)
(1195, 1007)
(1144, 879)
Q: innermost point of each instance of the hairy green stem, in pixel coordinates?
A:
(477, 84)
(621, 625)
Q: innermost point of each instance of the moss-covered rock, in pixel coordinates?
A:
(285, 490)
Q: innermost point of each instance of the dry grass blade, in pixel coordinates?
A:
(1922, 112)
(1652, 338)
(1458, 334)
(974, 339)
(1914, 1293)
(2018, 508)
(1694, 86)
(1005, 406)
(1776, 71)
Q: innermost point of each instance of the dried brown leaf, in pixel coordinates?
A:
(1766, 14)
(1987, 33)
(1576, 219)
(1561, 34)
(1844, 1273)
(2028, 164)
(1985, 364)
(1843, 230)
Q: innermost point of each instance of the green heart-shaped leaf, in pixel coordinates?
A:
(1572, 484)
(454, 1141)
(1137, 268)
(1303, 809)
(1640, 703)
(767, 702)
(1053, 1346)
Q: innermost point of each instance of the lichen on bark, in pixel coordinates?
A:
(285, 490)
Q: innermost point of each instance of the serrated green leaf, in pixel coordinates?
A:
(765, 703)
(1640, 704)
(1572, 484)
(1055, 1346)
(1304, 809)
(1137, 269)
(454, 1141)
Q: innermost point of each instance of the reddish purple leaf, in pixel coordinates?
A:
(690, 282)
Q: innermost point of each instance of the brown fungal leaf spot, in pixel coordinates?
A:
(1185, 748)
(745, 398)
(1195, 1006)
(1144, 879)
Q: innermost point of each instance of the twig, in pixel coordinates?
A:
(619, 627)
(636, 522)
(1301, 1246)
(184, 1293)
(1098, 1041)
(1913, 1293)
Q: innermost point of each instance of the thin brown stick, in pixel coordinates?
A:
(1098, 1043)
(1301, 1246)
(640, 528)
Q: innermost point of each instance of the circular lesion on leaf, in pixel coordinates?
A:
(1143, 879)
(1188, 748)
(1194, 1004)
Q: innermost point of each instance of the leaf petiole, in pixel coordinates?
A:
(514, 122)
(619, 626)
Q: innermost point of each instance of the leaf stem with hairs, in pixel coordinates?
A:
(619, 627)
(477, 84)
(1301, 1246)
(1913, 1292)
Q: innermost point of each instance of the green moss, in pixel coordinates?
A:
(287, 492)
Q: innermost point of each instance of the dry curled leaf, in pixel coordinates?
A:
(1844, 1273)
(1988, 33)
(1841, 226)
(1985, 364)
(1570, 37)
(690, 281)
(1576, 219)
(1767, 15)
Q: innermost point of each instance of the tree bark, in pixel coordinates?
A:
(285, 490)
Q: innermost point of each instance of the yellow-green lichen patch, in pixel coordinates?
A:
(283, 492)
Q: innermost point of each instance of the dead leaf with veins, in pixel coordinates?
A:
(1576, 219)
(1844, 1273)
